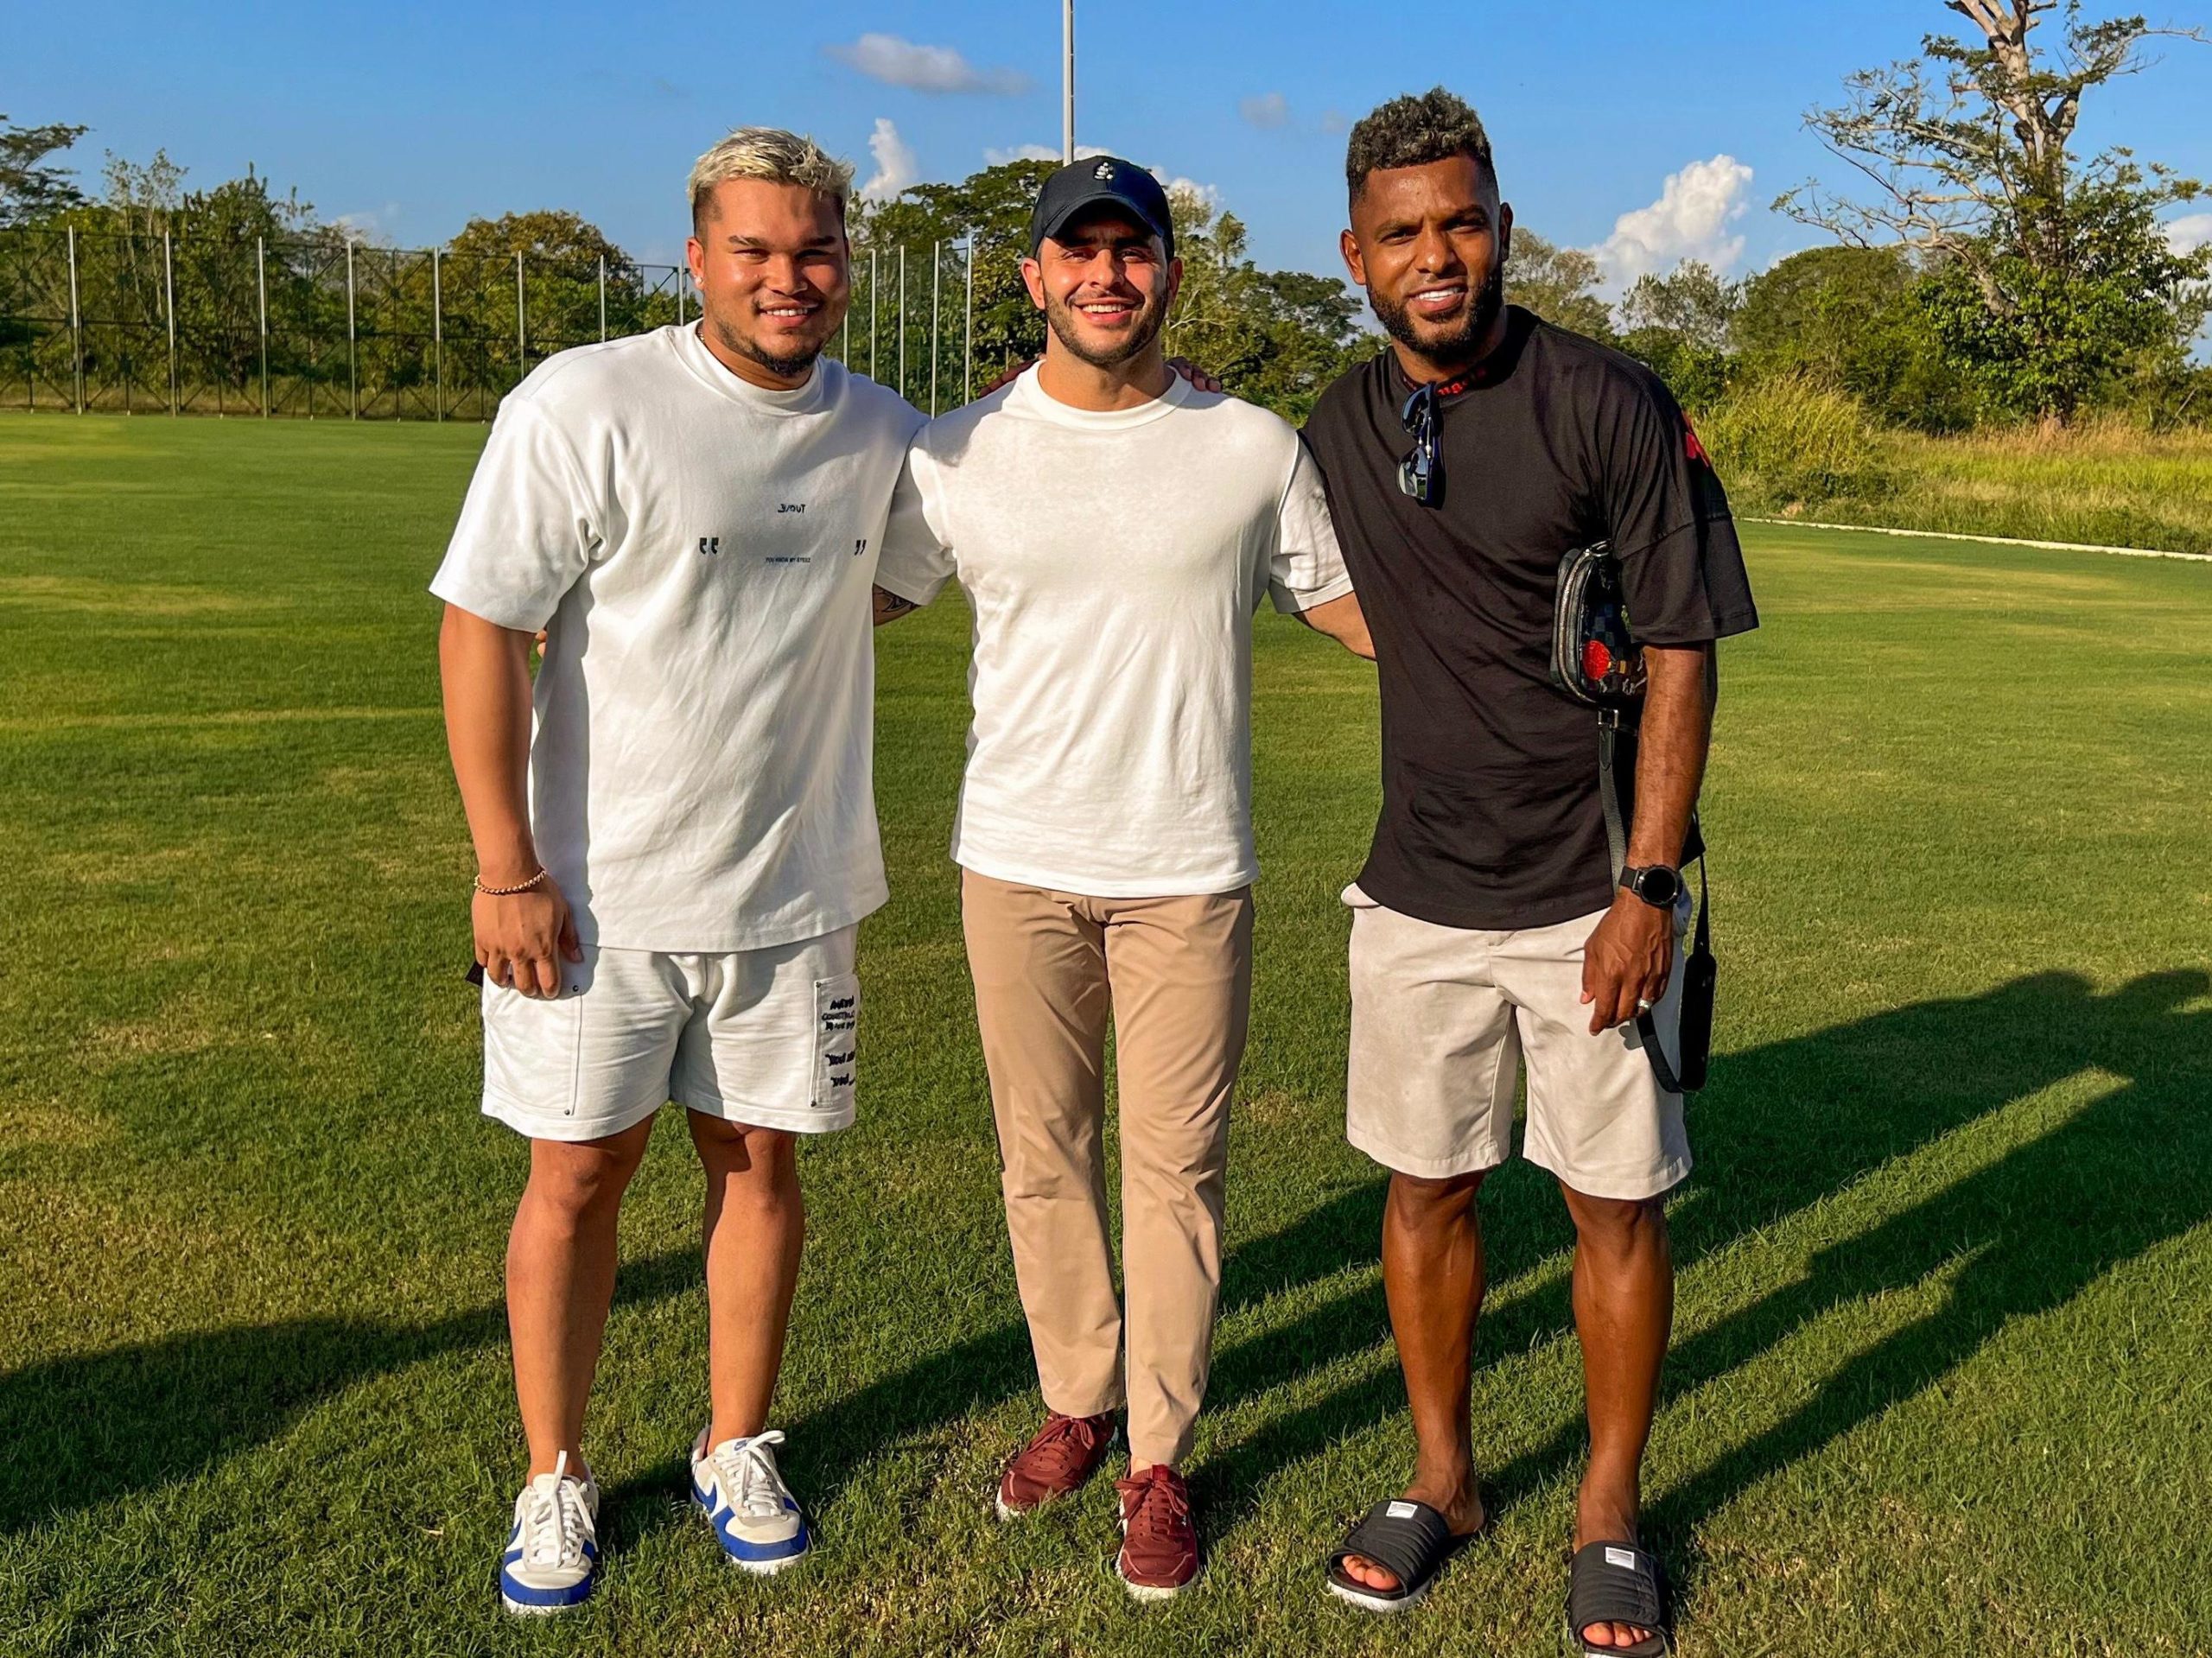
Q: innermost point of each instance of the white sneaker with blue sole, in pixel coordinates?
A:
(552, 1554)
(756, 1519)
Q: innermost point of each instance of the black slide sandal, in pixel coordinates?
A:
(1618, 1582)
(1411, 1539)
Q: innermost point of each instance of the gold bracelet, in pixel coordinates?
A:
(508, 891)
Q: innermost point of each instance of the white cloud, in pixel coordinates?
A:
(1267, 110)
(371, 224)
(923, 68)
(1208, 195)
(2188, 233)
(1690, 220)
(895, 166)
(1037, 153)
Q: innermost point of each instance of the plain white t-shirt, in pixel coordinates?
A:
(700, 552)
(1114, 561)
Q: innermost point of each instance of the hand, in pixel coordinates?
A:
(1628, 960)
(1197, 376)
(522, 938)
(1012, 374)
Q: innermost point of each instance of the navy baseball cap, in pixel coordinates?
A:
(1101, 180)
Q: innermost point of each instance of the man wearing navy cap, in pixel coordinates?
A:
(1114, 527)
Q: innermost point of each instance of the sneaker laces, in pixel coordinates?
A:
(749, 1477)
(1062, 1443)
(553, 1518)
(1162, 1500)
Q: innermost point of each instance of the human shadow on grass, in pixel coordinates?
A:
(1782, 1126)
(78, 1432)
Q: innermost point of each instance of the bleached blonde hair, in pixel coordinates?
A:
(772, 155)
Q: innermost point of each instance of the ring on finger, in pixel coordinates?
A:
(1643, 1003)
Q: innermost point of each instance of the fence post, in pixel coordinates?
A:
(900, 322)
(936, 290)
(967, 349)
(76, 330)
(602, 299)
(261, 303)
(682, 272)
(873, 290)
(437, 340)
(352, 360)
(169, 294)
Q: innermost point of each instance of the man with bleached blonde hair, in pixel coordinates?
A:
(674, 854)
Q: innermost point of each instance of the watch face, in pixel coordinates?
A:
(1659, 887)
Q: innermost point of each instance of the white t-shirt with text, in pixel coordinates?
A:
(700, 551)
(1114, 561)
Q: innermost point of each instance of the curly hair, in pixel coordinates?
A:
(1413, 131)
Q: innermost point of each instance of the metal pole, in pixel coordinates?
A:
(967, 351)
(937, 287)
(1067, 81)
(873, 290)
(681, 273)
(352, 356)
(168, 292)
(76, 329)
(522, 342)
(437, 340)
(900, 322)
(602, 299)
(261, 302)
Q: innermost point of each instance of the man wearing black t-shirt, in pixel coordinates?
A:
(1488, 928)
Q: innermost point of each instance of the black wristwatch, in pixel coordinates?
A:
(1654, 883)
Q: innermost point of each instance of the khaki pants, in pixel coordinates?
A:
(1176, 974)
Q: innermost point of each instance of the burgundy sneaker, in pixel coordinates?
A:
(1065, 1452)
(1159, 1546)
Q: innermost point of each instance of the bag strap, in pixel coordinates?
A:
(1700, 971)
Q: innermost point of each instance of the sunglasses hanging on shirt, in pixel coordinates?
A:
(1420, 474)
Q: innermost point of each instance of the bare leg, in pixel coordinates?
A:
(1623, 1311)
(561, 1258)
(1432, 1277)
(756, 1222)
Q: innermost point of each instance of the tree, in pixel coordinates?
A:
(1559, 284)
(2049, 275)
(31, 188)
(1851, 318)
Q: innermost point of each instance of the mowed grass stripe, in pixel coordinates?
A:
(1943, 1264)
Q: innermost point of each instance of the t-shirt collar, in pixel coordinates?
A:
(711, 371)
(1497, 366)
(1029, 396)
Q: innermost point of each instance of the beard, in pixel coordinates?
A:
(1061, 316)
(1460, 343)
(790, 365)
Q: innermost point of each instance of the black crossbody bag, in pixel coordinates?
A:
(1596, 662)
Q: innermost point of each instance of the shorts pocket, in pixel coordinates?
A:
(533, 1051)
(836, 1036)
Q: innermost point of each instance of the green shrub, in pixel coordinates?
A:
(1789, 440)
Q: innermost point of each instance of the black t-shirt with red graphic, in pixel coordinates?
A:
(1491, 817)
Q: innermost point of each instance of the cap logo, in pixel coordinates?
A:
(1105, 171)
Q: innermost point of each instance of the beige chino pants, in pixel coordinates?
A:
(1176, 974)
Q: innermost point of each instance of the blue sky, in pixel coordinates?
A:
(412, 117)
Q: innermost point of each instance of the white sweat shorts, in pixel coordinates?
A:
(1442, 1020)
(768, 1037)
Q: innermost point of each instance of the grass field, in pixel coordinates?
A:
(1940, 1379)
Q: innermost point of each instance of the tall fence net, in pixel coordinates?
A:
(321, 326)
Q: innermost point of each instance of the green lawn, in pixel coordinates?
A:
(1940, 1382)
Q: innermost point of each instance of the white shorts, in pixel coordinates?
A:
(762, 1037)
(1441, 1019)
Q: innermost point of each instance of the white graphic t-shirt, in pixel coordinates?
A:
(1114, 561)
(700, 552)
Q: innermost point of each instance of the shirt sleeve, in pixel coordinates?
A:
(1668, 521)
(528, 527)
(917, 558)
(1307, 567)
